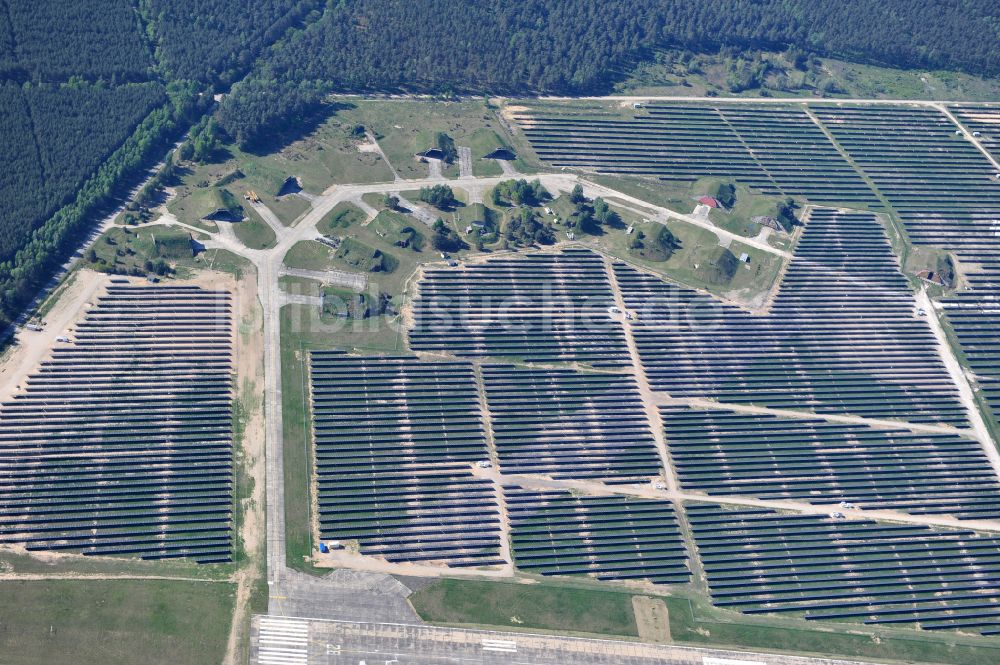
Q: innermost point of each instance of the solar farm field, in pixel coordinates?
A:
(921, 160)
(761, 561)
(395, 442)
(947, 194)
(440, 457)
(567, 414)
(546, 307)
(730, 453)
(610, 537)
(842, 335)
(566, 424)
(121, 442)
(774, 150)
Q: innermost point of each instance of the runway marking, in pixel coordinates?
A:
(505, 646)
(708, 660)
(282, 641)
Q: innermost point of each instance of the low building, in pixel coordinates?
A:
(932, 277)
(709, 201)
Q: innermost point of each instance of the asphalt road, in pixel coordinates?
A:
(310, 642)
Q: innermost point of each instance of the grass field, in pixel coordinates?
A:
(300, 285)
(538, 606)
(690, 264)
(404, 128)
(309, 255)
(699, 623)
(341, 217)
(106, 622)
(254, 231)
(288, 208)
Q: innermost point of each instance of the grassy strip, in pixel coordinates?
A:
(106, 622)
(538, 606)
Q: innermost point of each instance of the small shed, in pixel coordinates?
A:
(932, 277)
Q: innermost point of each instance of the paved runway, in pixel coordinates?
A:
(289, 641)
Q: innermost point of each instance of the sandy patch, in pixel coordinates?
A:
(508, 113)
(34, 346)
(651, 619)
(249, 364)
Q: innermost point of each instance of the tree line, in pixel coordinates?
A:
(581, 46)
(22, 275)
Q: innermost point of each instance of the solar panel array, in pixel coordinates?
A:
(566, 424)
(396, 440)
(777, 150)
(941, 186)
(842, 335)
(121, 442)
(544, 307)
(760, 561)
(975, 313)
(983, 120)
(762, 455)
(609, 537)
(948, 195)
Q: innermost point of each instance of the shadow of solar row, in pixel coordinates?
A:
(947, 195)
(758, 561)
(535, 307)
(396, 440)
(121, 442)
(842, 335)
(769, 457)
(609, 537)
(570, 425)
(777, 150)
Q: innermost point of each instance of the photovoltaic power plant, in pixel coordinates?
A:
(842, 335)
(396, 442)
(538, 425)
(759, 561)
(728, 453)
(776, 150)
(610, 537)
(545, 307)
(947, 194)
(567, 424)
(121, 442)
